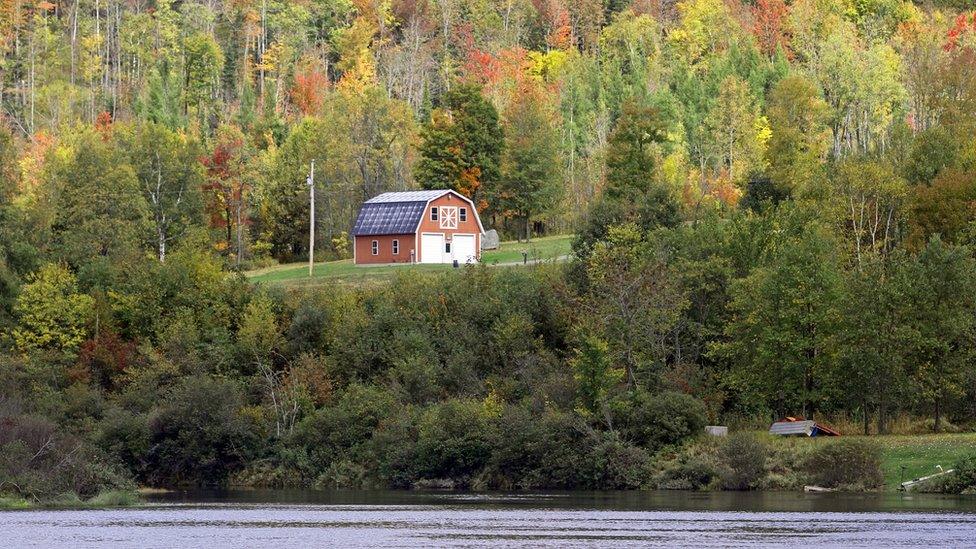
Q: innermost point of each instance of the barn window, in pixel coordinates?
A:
(396, 247)
(376, 247)
(447, 247)
(449, 217)
(463, 215)
(433, 213)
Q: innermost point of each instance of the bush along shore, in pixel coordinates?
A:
(71, 500)
(482, 379)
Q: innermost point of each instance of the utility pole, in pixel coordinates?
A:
(311, 220)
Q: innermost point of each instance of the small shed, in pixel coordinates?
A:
(792, 426)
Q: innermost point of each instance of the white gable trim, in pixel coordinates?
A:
(474, 210)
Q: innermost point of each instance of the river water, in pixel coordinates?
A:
(285, 519)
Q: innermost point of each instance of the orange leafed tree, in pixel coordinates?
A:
(771, 26)
(103, 125)
(556, 22)
(227, 188)
(308, 90)
(965, 25)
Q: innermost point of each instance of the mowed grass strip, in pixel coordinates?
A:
(537, 249)
(919, 454)
(540, 249)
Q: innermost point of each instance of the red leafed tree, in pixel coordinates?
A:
(965, 24)
(480, 67)
(554, 17)
(771, 26)
(103, 125)
(307, 91)
(227, 189)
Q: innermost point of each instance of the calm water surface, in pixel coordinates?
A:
(283, 519)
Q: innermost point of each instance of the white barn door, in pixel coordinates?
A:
(464, 249)
(431, 248)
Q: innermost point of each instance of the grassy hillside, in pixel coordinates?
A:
(509, 253)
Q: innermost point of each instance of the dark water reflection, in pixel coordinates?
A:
(410, 519)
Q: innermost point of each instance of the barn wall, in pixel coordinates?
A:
(364, 255)
(468, 227)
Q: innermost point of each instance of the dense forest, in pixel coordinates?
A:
(774, 204)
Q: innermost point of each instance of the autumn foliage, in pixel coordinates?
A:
(308, 91)
(962, 33)
(771, 26)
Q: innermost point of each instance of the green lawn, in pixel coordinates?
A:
(541, 249)
(550, 247)
(919, 454)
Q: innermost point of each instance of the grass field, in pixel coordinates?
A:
(540, 249)
(919, 454)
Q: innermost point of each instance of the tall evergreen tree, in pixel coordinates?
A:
(462, 146)
(529, 182)
(632, 192)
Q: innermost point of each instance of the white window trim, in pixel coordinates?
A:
(375, 247)
(396, 247)
(462, 215)
(434, 213)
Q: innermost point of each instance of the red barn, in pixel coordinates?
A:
(417, 227)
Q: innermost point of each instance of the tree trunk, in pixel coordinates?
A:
(883, 415)
(161, 235)
(240, 231)
(227, 216)
(865, 417)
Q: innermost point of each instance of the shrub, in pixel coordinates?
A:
(306, 333)
(656, 420)
(39, 462)
(268, 474)
(743, 457)
(343, 474)
(616, 465)
(961, 480)
(785, 463)
(126, 437)
(417, 378)
(846, 463)
(337, 431)
(453, 441)
(198, 434)
(532, 451)
(688, 473)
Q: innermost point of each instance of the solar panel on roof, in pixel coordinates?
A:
(388, 218)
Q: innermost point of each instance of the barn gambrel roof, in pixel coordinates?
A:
(397, 212)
